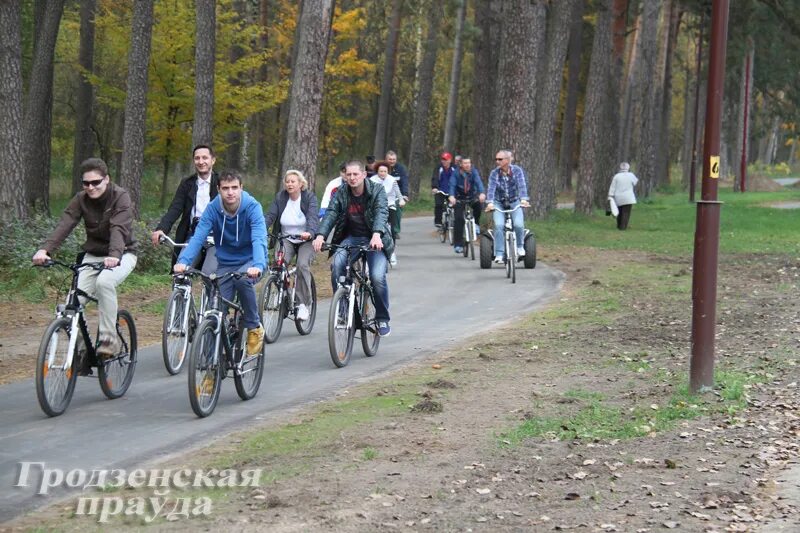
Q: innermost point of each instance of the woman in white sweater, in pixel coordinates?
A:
(621, 195)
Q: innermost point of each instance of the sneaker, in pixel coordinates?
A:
(383, 329)
(302, 312)
(459, 249)
(477, 231)
(393, 260)
(499, 259)
(255, 341)
(520, 252)
(107, 349)
(438, 226)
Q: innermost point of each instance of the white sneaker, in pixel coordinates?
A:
(499, 259)
(520, 252)
(302, 312)
(393, 259)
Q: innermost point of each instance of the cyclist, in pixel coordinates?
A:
(192, 196)
(507, 187)
(465, 185)
(358, 216)
(107, 214)
(393, 196)
(236, 220)
(294, 212)
(440, 181)
(401, 175)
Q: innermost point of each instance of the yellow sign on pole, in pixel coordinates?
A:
(714, 160)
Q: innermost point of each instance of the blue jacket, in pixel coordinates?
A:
(239, 239)
(465, 186)
(441, 177)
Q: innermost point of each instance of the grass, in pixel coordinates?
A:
(599, 418)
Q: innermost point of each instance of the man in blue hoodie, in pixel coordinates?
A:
(236, 220)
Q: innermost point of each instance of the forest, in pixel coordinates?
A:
(573, 87)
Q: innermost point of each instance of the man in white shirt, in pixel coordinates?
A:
(193, 195)
(621, 195)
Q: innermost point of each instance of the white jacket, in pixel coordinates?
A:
(621, 189)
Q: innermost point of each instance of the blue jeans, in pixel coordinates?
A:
(245, 288)
(377, 273)
(499, 221)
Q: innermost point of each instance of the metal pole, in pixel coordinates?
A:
(706, 237)
(746, 104)
(693, 172)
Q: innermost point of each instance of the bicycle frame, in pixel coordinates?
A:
(284, 272)
(356, 276)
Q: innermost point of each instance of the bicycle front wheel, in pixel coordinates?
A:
(247, 377)
(54, 383)
(341, 331)
(272, 309)
(175, 332)
(512, 257)
(116, 374)
(450, 229)
(304, 327)
(370, 340)
(205, 372)
(443, 230)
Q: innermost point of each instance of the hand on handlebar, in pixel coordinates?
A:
(452, 200)
(179, 268)
(305, 236)
(110, 262)
(317, 243)
(489, 207)
(40, 257)
(155, 237)
(435, 191)
(525, 203)
(375, 242)
(253, 272)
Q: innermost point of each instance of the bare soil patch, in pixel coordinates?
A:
(614, 341)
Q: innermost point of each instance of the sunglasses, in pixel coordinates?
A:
(92, 183)
(499, 158)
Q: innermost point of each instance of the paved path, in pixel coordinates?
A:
(437, 298)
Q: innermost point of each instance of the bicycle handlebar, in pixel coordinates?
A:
(282, 236)
(519, 206)
(349, 247)
(72, 266)
(209, 277)
(165, 239)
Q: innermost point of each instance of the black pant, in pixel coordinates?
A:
(624, 216)
(458, 230)
(438, 207)
(394, 222)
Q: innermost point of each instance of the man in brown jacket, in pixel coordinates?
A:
(107, 214)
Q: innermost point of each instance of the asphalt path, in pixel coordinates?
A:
(437, 298)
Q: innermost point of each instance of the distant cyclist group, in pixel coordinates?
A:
(222, 237)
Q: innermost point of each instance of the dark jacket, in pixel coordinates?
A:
(465, 186)
(400, 172)
(440, 179)
(377, 215)
(182, 206)
(108, 221)
(308, 205)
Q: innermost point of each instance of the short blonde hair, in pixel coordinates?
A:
(303, 180)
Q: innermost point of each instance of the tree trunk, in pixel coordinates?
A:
(595, 145)
(743, 122)
(566, 158)
(261, 118)
(647, 111)
(455, 80)
(390, 64)
(134, 129)
(419, 152)
(629, 94)
(205, 48)
(672, 20)
(13, 201)
(83, 147)
(484, 95)
(233, 138)
(305, 100)
(542, 171)
(521, 51)
(38, 108)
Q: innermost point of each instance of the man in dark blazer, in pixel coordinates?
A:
(191, 198)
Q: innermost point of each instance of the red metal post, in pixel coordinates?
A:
(693, 172)
(706, 237)
(746, 108)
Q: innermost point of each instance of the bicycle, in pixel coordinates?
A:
(220, 333)
(448, 217)
(470, 229)
(181, 317)
(510, 246)
(279, 300)
(353, 307)
(60, 360)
